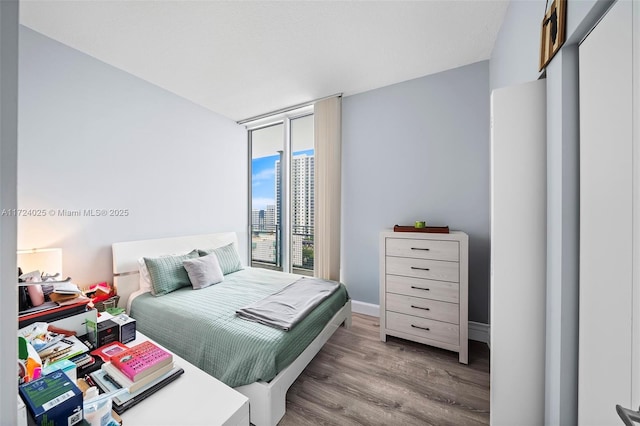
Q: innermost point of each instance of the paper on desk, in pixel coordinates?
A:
(66, 288)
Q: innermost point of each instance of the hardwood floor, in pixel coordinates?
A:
(358, 380)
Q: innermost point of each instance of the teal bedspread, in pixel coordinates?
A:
(202, 327)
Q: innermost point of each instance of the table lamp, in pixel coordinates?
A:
(47, 261)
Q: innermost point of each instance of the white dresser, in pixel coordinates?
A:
(424, 288)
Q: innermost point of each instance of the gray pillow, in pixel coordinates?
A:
(203, 271)
(228, 258)
(167, 272)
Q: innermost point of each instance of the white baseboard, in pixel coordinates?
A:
(478, 331)
(365, 308)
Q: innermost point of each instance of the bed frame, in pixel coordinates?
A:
(266, 400)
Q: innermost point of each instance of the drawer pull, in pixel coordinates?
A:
(420, 288)
(421, 269)
(419, 248)
(421, 328)
(420, 307)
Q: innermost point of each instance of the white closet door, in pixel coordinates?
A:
(518, 253)
(606, 225)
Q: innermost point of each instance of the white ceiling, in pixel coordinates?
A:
(245, 58)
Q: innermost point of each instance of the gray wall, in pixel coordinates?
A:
(8, 174)
(512, 63)
(516, 52)
(94, 137)
(417, 150)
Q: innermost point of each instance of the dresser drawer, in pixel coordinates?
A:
(423, 249)
(425, 308)
(428, 289)
(422, 327)
(421, 268)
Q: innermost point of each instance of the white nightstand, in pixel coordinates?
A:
(195, 398)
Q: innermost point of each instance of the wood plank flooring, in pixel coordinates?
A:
(358, 380)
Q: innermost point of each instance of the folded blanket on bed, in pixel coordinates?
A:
(290, 305)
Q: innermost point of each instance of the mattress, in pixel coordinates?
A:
(202, 327)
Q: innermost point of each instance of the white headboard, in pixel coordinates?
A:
(126, 254)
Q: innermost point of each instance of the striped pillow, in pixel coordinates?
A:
(228, 257)
(167, 273)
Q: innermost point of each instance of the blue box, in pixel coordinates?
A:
(53, 400)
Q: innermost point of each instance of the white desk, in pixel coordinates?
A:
(194, 398)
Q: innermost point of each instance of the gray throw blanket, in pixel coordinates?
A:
(290, 305)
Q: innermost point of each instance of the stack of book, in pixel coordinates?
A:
(139, 366)
(141, 370)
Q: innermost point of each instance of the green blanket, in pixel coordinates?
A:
(202, 327)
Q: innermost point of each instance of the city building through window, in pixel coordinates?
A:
(282, 195)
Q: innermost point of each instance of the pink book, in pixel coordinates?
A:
(141, 360)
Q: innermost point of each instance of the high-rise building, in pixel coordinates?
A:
(302, 200)
(270, 218)
(302, 189)
(302, 206)
(257, 220)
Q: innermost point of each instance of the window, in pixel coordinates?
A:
(282, 194)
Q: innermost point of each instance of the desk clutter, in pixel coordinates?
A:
(40, 292)
(73, 365)
(55, 300)
(55, 363)
(44, 347)
(46, 301)
(54, 356)
(103, 297)
(43, 299)
(49, 359)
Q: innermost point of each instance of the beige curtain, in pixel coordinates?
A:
(328, 162)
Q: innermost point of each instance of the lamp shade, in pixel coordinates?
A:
(48, 260)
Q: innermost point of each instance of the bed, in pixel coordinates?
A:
(275, 357)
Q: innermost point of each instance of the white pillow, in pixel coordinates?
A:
(145, 278)
(204, 271)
